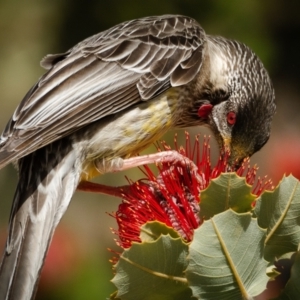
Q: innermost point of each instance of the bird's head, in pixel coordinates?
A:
(242, 121)
(242, 127)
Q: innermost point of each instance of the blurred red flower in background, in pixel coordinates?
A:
(284, 157)
(63, 259)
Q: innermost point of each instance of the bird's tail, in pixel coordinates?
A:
(47, 181)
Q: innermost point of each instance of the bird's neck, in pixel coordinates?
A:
(217, 64)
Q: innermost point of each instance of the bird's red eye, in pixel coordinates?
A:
(231, 118)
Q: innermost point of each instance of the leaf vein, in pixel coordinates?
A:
(159, 274)
(231, 263)
(282, 216)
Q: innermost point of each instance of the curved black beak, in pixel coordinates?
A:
(235, 156)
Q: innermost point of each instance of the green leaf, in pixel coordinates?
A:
(279, 213)
(292, 288)
(226, 258)
(153, 270)
(151, 231)
(227, 191)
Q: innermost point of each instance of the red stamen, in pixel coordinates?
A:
(172, 197)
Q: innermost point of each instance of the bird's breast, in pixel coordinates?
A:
(127, 133)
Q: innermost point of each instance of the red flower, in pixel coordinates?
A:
(173, 196)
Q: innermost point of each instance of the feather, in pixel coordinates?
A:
(89, 82)
(39, 203)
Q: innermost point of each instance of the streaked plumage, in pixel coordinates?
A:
(106, 99)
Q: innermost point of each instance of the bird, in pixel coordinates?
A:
(103, 101)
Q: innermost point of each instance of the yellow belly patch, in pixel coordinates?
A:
(131, 132)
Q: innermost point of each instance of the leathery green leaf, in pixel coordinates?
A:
(153, 270)
(151, 231)
(279, 213)
(226, 258)
(227, 191)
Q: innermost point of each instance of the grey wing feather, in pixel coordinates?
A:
(102, 75)
(41, 199)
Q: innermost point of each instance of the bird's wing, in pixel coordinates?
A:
(102, 75)
(42, 196)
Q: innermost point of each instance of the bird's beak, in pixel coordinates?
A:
(236, 155)
(226, 151)
(227, 144)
